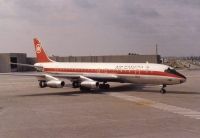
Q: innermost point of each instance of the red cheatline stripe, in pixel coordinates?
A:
(120, 72)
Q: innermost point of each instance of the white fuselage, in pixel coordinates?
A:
(139, 73)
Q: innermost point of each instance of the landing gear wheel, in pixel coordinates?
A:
(75, 84)
(42, 84)
(104, 86)
(107, 86)
(163, 91)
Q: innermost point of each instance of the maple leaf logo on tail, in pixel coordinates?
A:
(38, 49)
(40, 53)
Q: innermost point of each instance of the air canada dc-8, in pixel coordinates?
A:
(87, 76)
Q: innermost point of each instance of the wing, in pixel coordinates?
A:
(71, 77)
(37, 68)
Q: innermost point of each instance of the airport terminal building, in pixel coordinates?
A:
(7, 58)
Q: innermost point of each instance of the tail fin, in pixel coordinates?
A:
(40, 53)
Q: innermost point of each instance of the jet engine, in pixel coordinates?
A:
(55, 84)
(90, 84)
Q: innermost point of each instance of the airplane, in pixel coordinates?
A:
(87, 76)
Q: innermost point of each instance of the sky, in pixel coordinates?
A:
(101, 27)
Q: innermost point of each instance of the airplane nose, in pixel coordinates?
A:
(183, 79)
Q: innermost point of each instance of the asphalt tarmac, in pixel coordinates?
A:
(124, 111)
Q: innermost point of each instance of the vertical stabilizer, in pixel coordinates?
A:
(40, 53)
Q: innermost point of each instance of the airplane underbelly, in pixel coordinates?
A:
(146, 79)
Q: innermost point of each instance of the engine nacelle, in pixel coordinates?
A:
(55, 84)
(90, 84)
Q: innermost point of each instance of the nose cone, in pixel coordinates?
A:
(183, 78)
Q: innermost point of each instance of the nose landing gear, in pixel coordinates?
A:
(163, 91)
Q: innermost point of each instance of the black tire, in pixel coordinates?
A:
(75, 84)
(107, 86)
(163, 91)
(101, 86)
(104, 86)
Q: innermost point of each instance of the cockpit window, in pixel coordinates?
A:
(173, 71)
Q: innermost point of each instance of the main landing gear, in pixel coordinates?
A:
(104, 86)
(88, 86)
(163, 91)
(76, 84)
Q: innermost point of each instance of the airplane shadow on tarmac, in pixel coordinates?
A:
(122, 88)
(70, 93)
(77, 92)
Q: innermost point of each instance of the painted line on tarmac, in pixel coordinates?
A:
(161, 106)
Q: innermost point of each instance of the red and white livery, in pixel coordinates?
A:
(88, 76)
